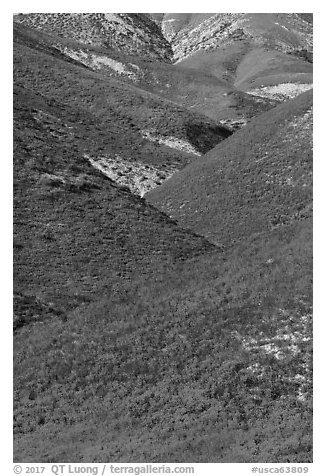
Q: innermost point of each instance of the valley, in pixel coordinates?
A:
(163, 238)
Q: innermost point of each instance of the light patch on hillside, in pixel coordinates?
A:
(301, 127)
(100, 62)
(114, 18)
(285, 342)
(280, 91)
(170, 141)
(296, 132)
(222, 29)
(293, 334)
(125, 32)
(234, 124)
(139, 178)
(207, 35)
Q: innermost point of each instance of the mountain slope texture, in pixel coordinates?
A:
(259, 178)
(163, 238)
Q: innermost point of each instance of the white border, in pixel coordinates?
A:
(319, 187)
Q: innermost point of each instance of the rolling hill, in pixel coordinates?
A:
(189, 33)
(192, 89)
(226, 76)
(258, 53)
(173, 325)
(117, 121)
(259, 178)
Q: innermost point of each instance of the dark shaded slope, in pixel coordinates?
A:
(257, 179)
(68, 218)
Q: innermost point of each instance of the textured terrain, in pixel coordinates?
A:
(261, 177)
(130, 33)
(163, 238)
(189, 33)
(248, 51)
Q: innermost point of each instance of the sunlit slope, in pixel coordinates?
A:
(287, 32)
(259, 178)
(194, 89)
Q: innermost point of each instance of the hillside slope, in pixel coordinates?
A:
(68, 215)
(259, 178)
(266, 54)
(131, 33)
(123, 127)
(195, 89)
(135, 339)
(191, 32)
(138, 341)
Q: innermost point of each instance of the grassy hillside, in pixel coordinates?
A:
(199, 90)
(61, 201)
(263, 68)
(121, 113)
(195, 89)
(137, 339)
(208, 77)
(257, 179)
(246, 66)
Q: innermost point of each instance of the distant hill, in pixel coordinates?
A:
(195, 89)
(249, 51)
(189, 33)
(130, 33)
